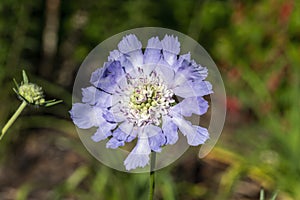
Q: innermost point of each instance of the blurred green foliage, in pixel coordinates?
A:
(255, 44)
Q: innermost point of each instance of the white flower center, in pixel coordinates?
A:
(150, 99)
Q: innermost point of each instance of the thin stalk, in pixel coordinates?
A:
(13, 118)
(152, 176)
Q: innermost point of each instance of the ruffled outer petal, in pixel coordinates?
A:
(151, 130)
(123, 132)
(189, 71)
(89, 95)
(103, 131)
(139, 156)
(199, 137)
(114, 143)
(127, 128)
(107, 77)
(193, 89)
(96, 75)
(169, 130)
(171, 48)
(166, 73)
(103, 99)
(183, 57)
(94, 96)
(156, 142)
(196, 105)
(156, 138)
(131, 46)
(115, 114)
(86, 116)
(195, 135)
(152, 53)
(115, 55)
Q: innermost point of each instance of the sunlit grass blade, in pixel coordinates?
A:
(262, 195)
(274, 196)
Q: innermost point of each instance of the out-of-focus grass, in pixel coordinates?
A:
(261, 46)
(262, 196)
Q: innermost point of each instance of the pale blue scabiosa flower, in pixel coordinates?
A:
(135, 96)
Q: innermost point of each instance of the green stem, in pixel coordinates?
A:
(152, 176)
(13, 118)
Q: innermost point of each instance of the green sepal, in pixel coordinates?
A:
(16, 84)
(25, 78)
(14, 89)
(52, 102)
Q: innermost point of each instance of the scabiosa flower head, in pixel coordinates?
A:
(135, 96)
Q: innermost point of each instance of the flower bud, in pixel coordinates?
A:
(32, 93)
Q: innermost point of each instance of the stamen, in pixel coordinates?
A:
(149, 100)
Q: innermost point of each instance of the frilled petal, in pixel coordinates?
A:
(129, 43)
(123, 132)
(114, 143)
(107, 77)
(115, 55)
(151, 130)
(170, 130)
(203, 71)
(89, 95)
(156, 138)
(103, 131)
(166, 73)
(86, 116)
(152, 53)
(131, 46)
(171, 48)
(189, 71)
(114, 71)
(129, 68)
(115, 114)
(196, 105)
(183, 57)
(148, 68)
(97, 74)
(199, 137)
(99, 79)
(119, 135)
(92, 96)
(103, 99)
(139, 156)
(193, 89)
(157, 141)
(126, 127)
(195, 134)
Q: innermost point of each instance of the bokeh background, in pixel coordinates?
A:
(255, 44)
